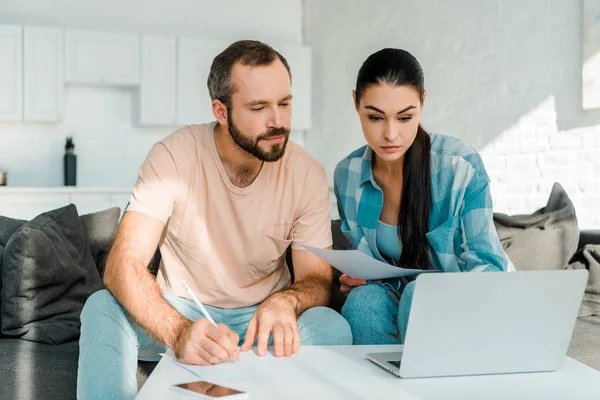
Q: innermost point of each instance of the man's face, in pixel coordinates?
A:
(261, 111)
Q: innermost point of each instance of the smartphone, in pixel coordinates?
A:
(208, 390)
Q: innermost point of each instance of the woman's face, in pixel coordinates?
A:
(390, 117)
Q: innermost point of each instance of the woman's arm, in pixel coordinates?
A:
(481, 248)
(347, 283)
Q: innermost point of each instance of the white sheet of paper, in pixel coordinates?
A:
(250, 367)
(359, 265)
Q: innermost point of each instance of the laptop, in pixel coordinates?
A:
(471, 323)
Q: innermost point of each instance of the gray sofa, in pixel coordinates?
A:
(31, 370)
(585, 343)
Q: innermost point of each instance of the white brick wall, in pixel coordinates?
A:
(504, 75)
(545, 155)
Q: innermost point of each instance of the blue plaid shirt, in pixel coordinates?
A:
(462, 236)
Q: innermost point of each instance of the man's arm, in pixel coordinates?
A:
(481, 247)
(312, 286)
(129, 280)
(279, 312)
(313, 276)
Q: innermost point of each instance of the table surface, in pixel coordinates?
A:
(343, 372)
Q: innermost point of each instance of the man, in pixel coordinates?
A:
(223, 201)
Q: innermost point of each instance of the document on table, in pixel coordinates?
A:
(313, 364)
(359, 265)
(317, 372)
(250, 368)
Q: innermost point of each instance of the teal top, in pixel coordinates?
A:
(388, 242)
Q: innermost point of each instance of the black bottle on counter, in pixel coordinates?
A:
(70, 163)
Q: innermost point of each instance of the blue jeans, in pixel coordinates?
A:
(375, 316)
(111, 343)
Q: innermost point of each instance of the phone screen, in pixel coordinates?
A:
(208, 389)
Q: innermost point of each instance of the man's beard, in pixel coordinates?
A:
(252, 145)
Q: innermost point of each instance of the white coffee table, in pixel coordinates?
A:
(342, 372)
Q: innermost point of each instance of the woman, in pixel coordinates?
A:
(409, 198)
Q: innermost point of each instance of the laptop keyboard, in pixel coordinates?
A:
(395, 363)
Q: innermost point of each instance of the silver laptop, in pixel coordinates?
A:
(471, 323)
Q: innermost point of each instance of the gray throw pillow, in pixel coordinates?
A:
(546, 239)
(100, 230)
(8, 226)
(48, 273)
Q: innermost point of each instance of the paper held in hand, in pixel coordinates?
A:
(359, 265)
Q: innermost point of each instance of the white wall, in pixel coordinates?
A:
(504, 75)
(224, 19)
(108, 146)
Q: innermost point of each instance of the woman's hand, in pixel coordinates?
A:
(348, 283)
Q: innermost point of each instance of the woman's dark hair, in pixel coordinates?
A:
(400, 68)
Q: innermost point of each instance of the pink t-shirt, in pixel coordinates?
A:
(227, 242)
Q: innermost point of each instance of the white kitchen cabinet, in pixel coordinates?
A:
(156, 99)
(102, 58)
(11, 73)
(299, 59)
(28, 202)
(43, 74)
(195, 56)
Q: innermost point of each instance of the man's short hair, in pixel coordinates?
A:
(248, 52)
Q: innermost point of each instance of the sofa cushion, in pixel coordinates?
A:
(40, 371)
(48, 273)
(589, 258)
(100, 230)
(545, 239)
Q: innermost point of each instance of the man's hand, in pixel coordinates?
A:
(348, 283)
(277, 314)
(201, 343)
